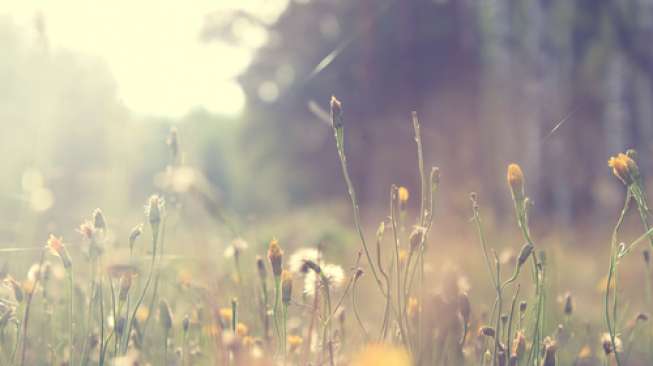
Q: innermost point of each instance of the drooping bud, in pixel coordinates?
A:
(135, 233)
(416, 237)
(524, 253)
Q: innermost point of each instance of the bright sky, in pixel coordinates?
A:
(153, 49)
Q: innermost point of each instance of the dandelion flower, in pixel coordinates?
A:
(57, 248)
(381, 355)
(237, 246)
(403, 194)
(516, 181)
(624, 168)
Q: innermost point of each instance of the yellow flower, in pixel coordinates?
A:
(412, 308)
(381, 355)
(57, 248)
(225, 315)
(242, 330)
(403, 256)
(294, 342)
(516, 181)
(403, 194)
(141, 314)
(623, 167)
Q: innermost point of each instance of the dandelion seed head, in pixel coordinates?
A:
(300, 256)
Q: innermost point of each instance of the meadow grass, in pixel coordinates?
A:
(313, 310)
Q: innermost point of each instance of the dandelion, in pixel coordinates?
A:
(57, 248)
(624, 168)
(606, 343)
(237, 246)
(87, 230)
(15, 287)
(381, 355)
(332, 273)
(403, 195)
(516, 181)
(300, 256)
(294, 342)
(242, 330)
(225, 315)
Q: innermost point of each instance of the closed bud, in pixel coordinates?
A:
(275, 255)
(569, 304)
(336, 113)
(154, 207)
(125, 285)
(522, 307)
(135, 233)
(524, 253)
(99, 222)
(516, 181)
(647, 256)
(165, 315)
(286, 287)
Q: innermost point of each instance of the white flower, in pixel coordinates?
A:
(333, 273)
(238, 245)
(300, 256)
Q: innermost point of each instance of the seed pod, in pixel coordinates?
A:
(336, 113)
(275, 255)
(524, 253)
(286, 287)
(165, 315)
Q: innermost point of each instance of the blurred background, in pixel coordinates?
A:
(89, 93)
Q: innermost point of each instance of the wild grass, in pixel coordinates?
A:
(386, 305)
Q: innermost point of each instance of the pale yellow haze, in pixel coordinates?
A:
(153, 48)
